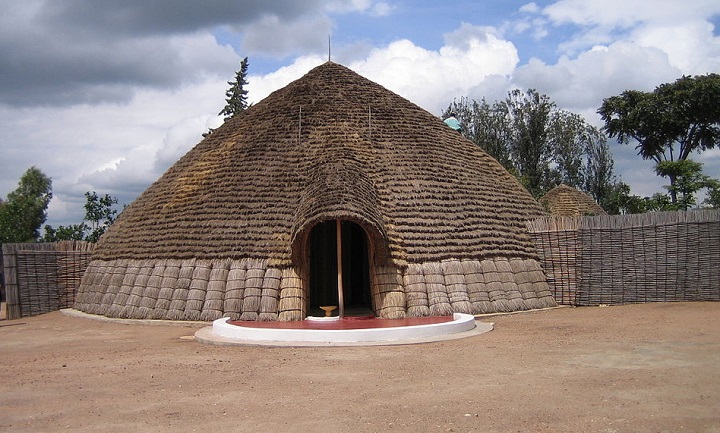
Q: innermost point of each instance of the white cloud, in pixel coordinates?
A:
(272, 36)
(108, 148)
(381, 9)
(608, 13)
(583, 82)
(347, 6)
(470, 55)
(530, 8)
(690, 45)
(680, 29)
(627, 13)
(260, 86)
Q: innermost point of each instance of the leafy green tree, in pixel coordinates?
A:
(600, 180)
(688, 181)
(486, 125)
(620, 201)
(25, 209)
(530, 146)
(569, 137)
(658, 202)
(713, 194)
(668, 123)
(75, 232)
(539, 143)
(99, 212)
(236, 101)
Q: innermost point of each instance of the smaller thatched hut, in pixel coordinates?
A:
(564, 200)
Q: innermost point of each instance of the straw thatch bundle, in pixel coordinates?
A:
(169, 280)
(416, 291)
(456, 286)
(234, 214)
(152, 291)
(215, 297)
(235, 289)
(292, 296)
(176, 310)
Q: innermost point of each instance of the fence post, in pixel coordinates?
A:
(12, 296)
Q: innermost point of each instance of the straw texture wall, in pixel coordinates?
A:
(43, 277)
(332, 145)
(667, 256)
(248, 289)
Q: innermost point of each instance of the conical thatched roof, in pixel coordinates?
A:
(564, 200)
(329, 146)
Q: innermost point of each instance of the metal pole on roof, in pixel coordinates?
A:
(341, 306)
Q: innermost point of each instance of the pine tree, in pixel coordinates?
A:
(237, 94)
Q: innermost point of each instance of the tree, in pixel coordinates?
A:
(99, 213)
(236, 94)
(25, 209)
(530, 148)
(539, 143)
(600, 180)
(688, 181)
(620, 201)
(487, 126)
(713, 198)
(668, 123)
(75, 232)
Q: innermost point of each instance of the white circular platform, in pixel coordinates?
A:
(224, 333)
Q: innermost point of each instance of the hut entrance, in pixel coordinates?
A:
(354, 268)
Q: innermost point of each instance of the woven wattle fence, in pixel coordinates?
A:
(43, 277)
(622, 259)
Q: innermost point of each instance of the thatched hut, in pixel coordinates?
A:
(564, 200)
(332, 181)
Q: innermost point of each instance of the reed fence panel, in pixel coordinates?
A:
(43, 277)
(623, 259)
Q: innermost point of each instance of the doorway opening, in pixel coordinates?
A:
(355, 271)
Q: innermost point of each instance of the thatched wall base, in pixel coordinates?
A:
(252, 289)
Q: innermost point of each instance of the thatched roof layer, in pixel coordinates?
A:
(331, 145)
(564, 200)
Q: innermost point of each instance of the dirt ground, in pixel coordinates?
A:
(635, 368)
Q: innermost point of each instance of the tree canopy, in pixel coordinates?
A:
(539, 143)
(25, 209)
(668, 124)
(99, 212)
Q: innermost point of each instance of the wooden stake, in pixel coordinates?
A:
(341, 306)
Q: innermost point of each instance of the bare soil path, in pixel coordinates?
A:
(635, 368)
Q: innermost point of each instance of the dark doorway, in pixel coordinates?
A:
(324, 272)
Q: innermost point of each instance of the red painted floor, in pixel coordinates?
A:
(346, 323)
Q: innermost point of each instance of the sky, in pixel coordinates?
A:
(105, 95)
